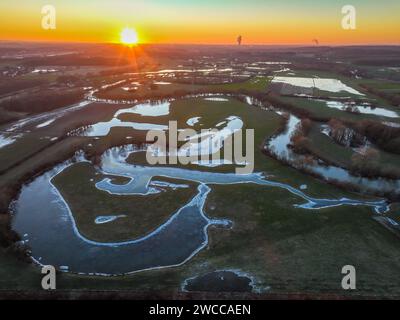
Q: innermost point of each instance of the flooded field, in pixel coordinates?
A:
(280, 146)
(329, 85)
(362, 108)
(172, 243)
(81, 194)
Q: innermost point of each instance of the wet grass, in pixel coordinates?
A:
(258, 83)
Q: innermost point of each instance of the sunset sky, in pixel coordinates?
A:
(204, 21)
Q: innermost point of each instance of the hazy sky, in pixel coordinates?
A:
(204, 21)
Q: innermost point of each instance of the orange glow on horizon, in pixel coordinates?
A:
(161, 23)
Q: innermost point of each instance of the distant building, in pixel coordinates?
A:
(239, 40)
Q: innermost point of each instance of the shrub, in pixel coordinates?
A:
(386, 137)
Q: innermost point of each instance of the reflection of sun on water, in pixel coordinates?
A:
(129, 36)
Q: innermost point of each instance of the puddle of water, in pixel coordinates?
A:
(170, 185)
(282, 70)
(46, 116)
(213, 163)
(45, 124)
(192, 121)
(392, 124)
(217, 99)
(155, 109)
(5, 141)
(107, 219)
(44, 70)
(173, 71)
(129, 88)
(162, 83)
(392, 222)
(255, 68)
(101, 129)
(272, 62)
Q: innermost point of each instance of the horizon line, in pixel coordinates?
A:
(203, 44)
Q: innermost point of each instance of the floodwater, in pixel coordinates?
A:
(208, 142)
(13, 131)
(361, 108)
(153, 109)
(331, 85)
(46, 123)
(54, 237)
(103, 128)
(192, 121)
(6, 140)
(216, 99)
(279, 145)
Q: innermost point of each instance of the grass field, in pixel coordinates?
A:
(381, 85)
(258, 84)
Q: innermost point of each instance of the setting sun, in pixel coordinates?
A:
(129, 36)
